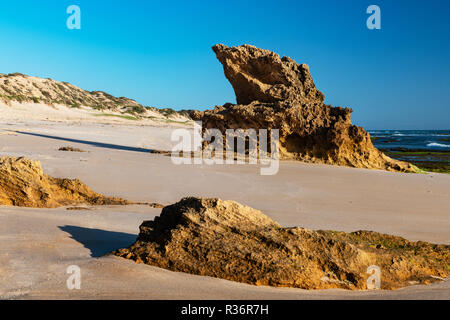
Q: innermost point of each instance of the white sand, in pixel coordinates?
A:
(37, 245)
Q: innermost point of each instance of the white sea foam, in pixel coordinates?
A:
(434, 144)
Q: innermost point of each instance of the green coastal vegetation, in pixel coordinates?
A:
(434, 167)
(419, 153)
(126, 117)
(425, 160)
(23, 89)
(384, 140)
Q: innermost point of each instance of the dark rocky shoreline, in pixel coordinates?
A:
(425, 159)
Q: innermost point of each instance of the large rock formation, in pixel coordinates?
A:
(24, 184)
(225, 239)
(278, 93)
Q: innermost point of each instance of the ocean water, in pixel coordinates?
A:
(411, 139)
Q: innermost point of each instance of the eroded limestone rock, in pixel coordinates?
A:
(277, 93)
(225, 239)
(24, 184)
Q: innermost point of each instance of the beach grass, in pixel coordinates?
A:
(126, 117)
(175, 121)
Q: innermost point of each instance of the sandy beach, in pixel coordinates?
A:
(238, 159)
(39, 244)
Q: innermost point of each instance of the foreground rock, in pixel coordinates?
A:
(225, 239)
(277, 93)
(24, 184)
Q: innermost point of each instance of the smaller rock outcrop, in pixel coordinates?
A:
(225, 239)
(24, 184)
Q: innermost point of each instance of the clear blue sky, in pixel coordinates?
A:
(159, 52)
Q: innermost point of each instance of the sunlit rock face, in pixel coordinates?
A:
(278, 93)
(228, 240)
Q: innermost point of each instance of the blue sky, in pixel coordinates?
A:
(159, 52)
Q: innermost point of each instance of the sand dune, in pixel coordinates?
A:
(14, 111)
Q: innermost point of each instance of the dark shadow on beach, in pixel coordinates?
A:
(93, 143)
(99, 242)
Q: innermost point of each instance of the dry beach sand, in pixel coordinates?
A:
(80, 152)
(37, 245)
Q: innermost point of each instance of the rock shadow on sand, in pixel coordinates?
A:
(92, 143)
(99, 242)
